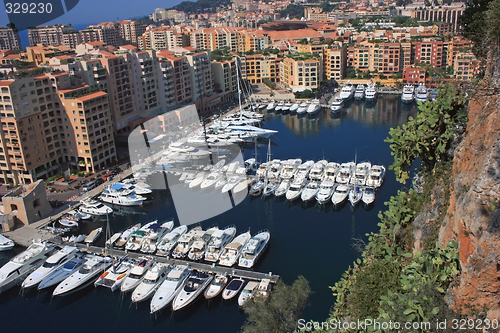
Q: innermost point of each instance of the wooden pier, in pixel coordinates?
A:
(207, 268)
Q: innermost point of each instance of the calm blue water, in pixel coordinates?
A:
(305, 239)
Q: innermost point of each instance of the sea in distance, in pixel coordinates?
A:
(306, 239)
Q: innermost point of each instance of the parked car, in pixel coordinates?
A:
(99, 181)
(108, 176)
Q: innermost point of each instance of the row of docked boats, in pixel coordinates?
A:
(419, 94)
(213, 245)
(68, 270)
(348, 92)
(310, 107)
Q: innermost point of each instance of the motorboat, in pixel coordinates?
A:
(125, 187)
(53, 263)
(368, 195)
(241, 187)
(347, 91)
(250, 165)
(215, 288)
(247, 292)
(274, 170)
(62, 272)
(170, 287)
(257, 186)
(198, 248)
(152, 280)
(210, 181)
(231, 183)
(360, 174)
(217, 243)
(282, 188)
(93, 236)
(290, 168)
(154, 235)
(6, 244)
(115, 275)
(340, 194)
(407, 96)
(270, 106)
(317, 170)
(125, 236)
(71, 218)
(94, 207)
(345, 172)
(375, 176)
(262, 170)
(111, 241)
(337, 105)
(189, 178)
(310, 191)
(302, 109)
(325, 191)
(253, 249)
(331, 171)
(286, 107)
(232, 251)
(314, 107)
(132, 280)
(371, 93)
(359, 93)
(137, 237)
(93, 266)
(184, 243)
(355, 195)
(74, 238)
(263, 289)
(294, 107)
(421, 93)
(194, 286)
(304, 169)
(278, 107)
(221, 182)
(271, 187)
(296, 188)
(233, 288)
(169, 240)
(117, 195)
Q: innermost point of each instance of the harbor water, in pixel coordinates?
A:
(306, 239)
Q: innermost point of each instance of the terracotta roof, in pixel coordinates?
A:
(96, 43)
(294, 34)
(4, 83)
(128, 47)
(91, 96)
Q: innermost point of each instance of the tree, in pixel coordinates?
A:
(351, 73)
(279, 313)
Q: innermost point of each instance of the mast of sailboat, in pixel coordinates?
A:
(238, 84)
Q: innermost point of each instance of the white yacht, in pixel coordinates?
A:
(115, 275)
(154, 236)
(360, 174)
(169, 240)
(216, 287)
(310, 191)
(253, 249)
(294, 107)
(94, 266)
(184, 243)
(233, 288)
(375, 176)
(304, 169)
(347, 91)
(260, 132)
(286, 107)
(368, 195)
(71, 219)
(6, 244)
(194, 286)
(151, 281)
(359, 93)
(125, 236)
(232, 251)
(116, 195)
(271, 187)
(274, 169)
(278, 107)
(173, 284)
(217, 243)
(132, 280)
(210, 181)
(302, 108)
(325, 191)
(199, 246)
(355, 195)
(371, 93)
(263, 289)
(331, 171)
(61, 273)
(53, 263)
(337, 105)
(94, 207)
(137, 237)
(317, 170)
(24, 263)
(345, 172)
(340, 194)
(282, 188)
(290, 168)
(421, 93)
(407, 96)
(296, 188)
(231, 183)
(221, 182)
(133, 187)
(270, 106)
(257, 186)
(314, 107)
(247, 292)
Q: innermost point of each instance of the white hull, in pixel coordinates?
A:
(193, 288)
(233, 288)
(148, 286)
(6, 244)
(169, 289)
(62, 273)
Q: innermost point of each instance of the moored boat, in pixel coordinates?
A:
(194, 286)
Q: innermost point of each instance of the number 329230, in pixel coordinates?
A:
(28, 8)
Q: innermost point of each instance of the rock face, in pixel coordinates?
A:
(473, 219)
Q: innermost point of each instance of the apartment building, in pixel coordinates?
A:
(9, 39)
(429, 51)
(457, 45)
(335, 62)
(145, 75)
(40, 54)
(202, 81)
(225, 83)
(55, 35)
(252, 41)
(389, 58)
(130, 30)
(301, 73)
(414, 75)
(406, 51)
(256, 67)
(448, 14)
(465, 66)
(108, 32)
(163, 38)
